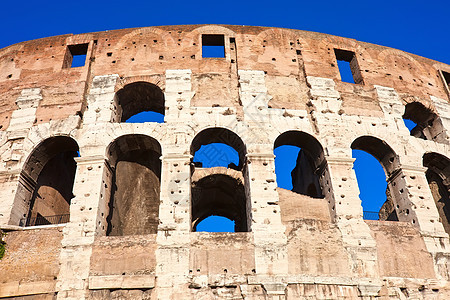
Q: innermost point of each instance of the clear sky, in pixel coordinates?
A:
(419, 27)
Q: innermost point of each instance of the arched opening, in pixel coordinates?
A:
(46, 182)
(374, 162)
(300, 165)
(438, 177)
(219, 145)
(422, 122)
(217, 181)
(134, 204)
(219, 195)
(139, 102)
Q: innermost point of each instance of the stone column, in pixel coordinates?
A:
(100, 100)
(9, 181)
(173, 237)
(360, 245)
(260, 181)
(87, 219)
(416, 205)
(22, 119)
(268, 231)
(178, 95)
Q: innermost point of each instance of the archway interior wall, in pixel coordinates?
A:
(135, 160)
(311, 166)
(138, 97)
(39, 180)
(429, 124)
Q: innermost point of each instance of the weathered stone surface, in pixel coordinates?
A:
(138, 196)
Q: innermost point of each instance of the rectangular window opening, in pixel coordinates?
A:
(348, 66)
(76, 55)
(213, 45)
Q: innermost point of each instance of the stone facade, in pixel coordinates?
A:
(135, 195)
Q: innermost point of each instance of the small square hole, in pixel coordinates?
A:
(348, 66)
(76, 55)
(213, 45)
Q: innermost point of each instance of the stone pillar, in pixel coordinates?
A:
(268, 231)
(22, 119)
(260, 181)
(392, 107)
(173, 237)
(101, 107)
(87, 218)
(360, 245)
(416, 205)
(9, 182)
(254, 97)
(175, 206)
(324, 97)
(178, 95)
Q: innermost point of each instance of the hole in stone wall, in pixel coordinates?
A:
(216, 196)
(217, 193)
(221, 146)
(348, 66)
(140, 102)
(372, 166)
(76, 55)
(48, 177)
(410, 125)
(299, 163)
(446, 77)
(422, 122)
(213, 45)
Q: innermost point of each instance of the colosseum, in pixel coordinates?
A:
(94, 207)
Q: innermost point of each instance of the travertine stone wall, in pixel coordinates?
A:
(270, 82)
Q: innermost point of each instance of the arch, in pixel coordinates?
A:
(380, 150)
(216, 29)
(138, 97)
(220, 195)
(438, 177)
(389, 161)
(219, 191)
(134, 201)
(310, 165)
(46, 182)
(223, 136)
(428, 124)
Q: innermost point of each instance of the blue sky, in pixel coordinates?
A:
(419, 27)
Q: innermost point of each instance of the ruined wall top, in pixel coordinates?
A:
(144, 54)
